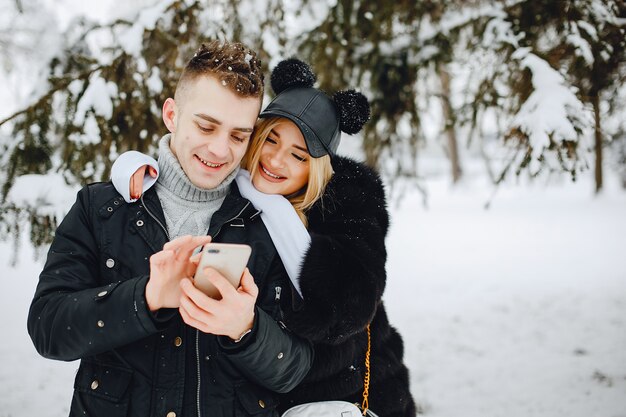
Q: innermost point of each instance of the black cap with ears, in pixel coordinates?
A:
(320, 118)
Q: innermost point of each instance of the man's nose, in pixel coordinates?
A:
(219, 146)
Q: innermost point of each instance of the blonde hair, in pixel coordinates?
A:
(320, 169)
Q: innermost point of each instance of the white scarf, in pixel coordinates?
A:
(287, 231)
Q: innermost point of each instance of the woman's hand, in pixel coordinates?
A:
(136, 181)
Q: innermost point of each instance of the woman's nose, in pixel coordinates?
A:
(277, 159)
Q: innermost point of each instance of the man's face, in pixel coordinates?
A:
(211, 128)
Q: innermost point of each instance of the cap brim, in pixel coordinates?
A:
(313, 143)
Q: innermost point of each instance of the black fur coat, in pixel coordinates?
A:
(342, 280)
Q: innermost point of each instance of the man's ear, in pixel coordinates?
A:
(170, 113)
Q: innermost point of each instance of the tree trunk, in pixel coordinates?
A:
(449, 118)
(595, 100)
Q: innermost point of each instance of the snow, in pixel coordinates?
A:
(132, 38)
(154, 83)
(499, 31)
(514, 311)
(302, 17)
(552, 112)
(66, 10)
(582, 47)
(455, 18)
(24, 52)
(91, 132)
(47, 194)
(97, 97)
(591, 31)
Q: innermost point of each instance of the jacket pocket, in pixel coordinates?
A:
(100, 389)
(255, 401)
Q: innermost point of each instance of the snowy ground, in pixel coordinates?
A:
(515, 311)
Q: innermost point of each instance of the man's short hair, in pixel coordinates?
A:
(232, 63)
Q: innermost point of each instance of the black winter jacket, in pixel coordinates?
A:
(90, 305)
(342, 280)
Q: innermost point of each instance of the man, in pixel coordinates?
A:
(115, 294)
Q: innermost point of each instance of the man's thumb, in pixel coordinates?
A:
(248, 285)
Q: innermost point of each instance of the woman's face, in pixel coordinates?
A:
(284, 161)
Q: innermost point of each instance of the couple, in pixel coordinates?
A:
(114, 291)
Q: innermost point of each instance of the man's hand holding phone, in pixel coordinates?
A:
(168, 267)
(231, 316)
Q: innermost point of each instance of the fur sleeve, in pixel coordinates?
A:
(343, 272)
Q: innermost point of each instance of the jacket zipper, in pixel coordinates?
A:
(278, 310)
(198, 369)
(155, 218)
(197, 331)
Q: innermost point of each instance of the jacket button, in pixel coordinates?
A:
(94, 384)
(261, 403)
(100, 323)
(178, 341)
(110, 263)
(171, 414)
(102, 293)
(139, 223)
(280, 355)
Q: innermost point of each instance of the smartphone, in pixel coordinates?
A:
(229, 259)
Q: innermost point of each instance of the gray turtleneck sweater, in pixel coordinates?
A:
(187, 208)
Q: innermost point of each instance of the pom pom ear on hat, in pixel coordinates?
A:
(292, 73)
(354, 110)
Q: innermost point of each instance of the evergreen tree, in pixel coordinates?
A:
(101, 101)
(595, 57)
(516, 60)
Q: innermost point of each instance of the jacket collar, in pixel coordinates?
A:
(235, 210)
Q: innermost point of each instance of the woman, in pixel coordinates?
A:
(336, 263)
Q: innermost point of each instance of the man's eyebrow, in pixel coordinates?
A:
(217, 122)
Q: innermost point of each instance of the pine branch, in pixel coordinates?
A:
(63, 85)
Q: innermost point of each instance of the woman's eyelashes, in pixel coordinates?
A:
(299, 158)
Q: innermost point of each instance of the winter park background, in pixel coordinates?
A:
(514, 310)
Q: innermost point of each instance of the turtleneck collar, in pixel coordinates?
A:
(173, 178)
